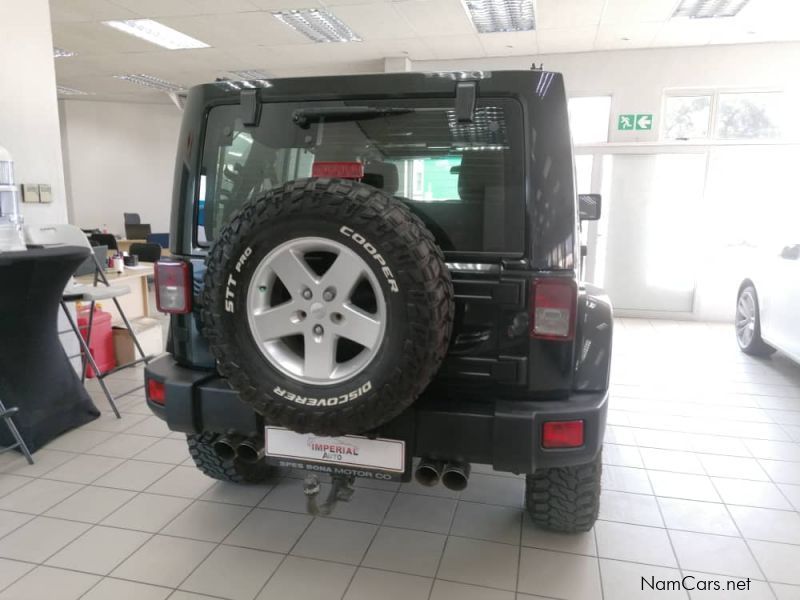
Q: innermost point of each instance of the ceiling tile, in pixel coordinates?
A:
(69, 11)
(509, 44)
(171, 8)
(373, 21)
(637, 11)
(97, 38)
(286, 4)
(687, 32)
(560, 14)
(237, 29)
(432, 17)
(630, 35)
(456, 46)
(576, 39)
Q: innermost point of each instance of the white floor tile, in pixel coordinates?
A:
(634, 543)
(164, 561)
(234, 573)
(480, 563)
(49, 583)
(559, 575)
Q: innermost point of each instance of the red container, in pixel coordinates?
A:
(102, 343)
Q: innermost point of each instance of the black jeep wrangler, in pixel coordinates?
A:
(371, 269)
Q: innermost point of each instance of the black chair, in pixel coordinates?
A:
(104, 239)
(146, 252)
(36, 375)
(132, 218)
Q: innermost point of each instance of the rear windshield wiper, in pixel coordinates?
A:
(303, 117)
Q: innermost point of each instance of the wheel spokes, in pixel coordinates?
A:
(320, 355)
(292, 270)
(344, 274)
(281, 321)
(359, 326)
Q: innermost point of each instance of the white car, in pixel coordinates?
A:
(767, 316)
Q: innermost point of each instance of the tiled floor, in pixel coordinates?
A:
(702, 478)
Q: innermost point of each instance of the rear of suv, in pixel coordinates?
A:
(378, 276)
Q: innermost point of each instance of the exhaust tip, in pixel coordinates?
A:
(224, 449)
(455, 477)
(249, 453)
(427, 473)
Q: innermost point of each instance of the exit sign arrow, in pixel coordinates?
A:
(644, 121)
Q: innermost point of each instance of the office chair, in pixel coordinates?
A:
(162, 239)
(104, 239)
(132, 218)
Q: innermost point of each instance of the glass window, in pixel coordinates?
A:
(752, 115)
(588, 119)
(462, 180)
(686, 117)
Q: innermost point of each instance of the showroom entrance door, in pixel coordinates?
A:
(653, 206)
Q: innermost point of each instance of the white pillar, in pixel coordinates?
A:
(396, 64)
(29, 126)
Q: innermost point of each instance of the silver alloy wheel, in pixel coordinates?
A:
(320, 309)
(746, 318)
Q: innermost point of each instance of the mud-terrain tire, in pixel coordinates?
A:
(565, 499)
(201, 448)
(282, 366)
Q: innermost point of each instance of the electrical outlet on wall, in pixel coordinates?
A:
(30, 192)
(45, 193)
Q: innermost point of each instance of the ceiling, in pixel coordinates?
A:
(243, 34)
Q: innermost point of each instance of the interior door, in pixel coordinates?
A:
(652, 231)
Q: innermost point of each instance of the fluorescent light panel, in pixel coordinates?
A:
(151, 82)
(61, 53)
(68, 91)
(156, 33)
(494, 16)
(709, 9)
(318, 25)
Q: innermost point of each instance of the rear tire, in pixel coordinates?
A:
(748, 323)
(565, 499)
(201, 447)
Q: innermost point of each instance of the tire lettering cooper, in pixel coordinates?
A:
(362, 241)
(230, 287)
(332, 401)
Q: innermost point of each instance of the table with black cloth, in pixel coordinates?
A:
(35, 374)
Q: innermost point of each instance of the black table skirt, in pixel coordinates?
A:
(35, 373)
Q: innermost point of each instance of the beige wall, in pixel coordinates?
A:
(120, 157)
(29, 126)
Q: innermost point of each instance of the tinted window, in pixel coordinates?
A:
(464, 180)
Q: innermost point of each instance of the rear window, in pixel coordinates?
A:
(465, 181)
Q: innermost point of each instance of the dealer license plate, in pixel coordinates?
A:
(344, 455)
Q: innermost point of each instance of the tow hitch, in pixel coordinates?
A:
(342, 488)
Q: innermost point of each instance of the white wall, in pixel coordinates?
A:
(637, 78)
(29, 126)
(120, 157)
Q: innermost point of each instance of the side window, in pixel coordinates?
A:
(686, 117)
(746, 116)
(588, 118)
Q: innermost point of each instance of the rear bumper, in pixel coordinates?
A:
(502, 433)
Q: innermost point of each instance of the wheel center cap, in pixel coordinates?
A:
(318, 310)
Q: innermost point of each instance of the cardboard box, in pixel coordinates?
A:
(148, 331)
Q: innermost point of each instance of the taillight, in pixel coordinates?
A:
(173, 287)
(553, 304)
(155, 391)
(562, 434)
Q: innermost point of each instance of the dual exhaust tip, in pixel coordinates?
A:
(245, 450)
(453, 475)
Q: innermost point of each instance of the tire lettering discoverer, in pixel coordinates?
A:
(327, 305)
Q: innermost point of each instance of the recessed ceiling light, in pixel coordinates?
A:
(318, 25)
(156, 33)
(709, 9)
(68, 91)
(492, 16)
(61, 53)
(151, 82)
(250, 74)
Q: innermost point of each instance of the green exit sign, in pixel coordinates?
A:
(640, 121)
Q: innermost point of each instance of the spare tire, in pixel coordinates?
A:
(327, 305)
